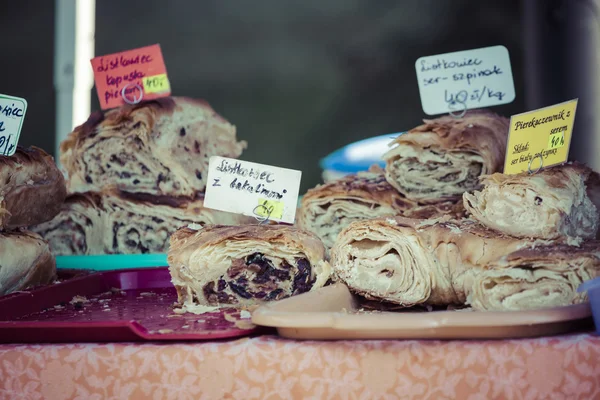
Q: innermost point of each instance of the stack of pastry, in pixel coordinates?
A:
(530, 243)
(32, 190)
(138, 173)
(427, 171)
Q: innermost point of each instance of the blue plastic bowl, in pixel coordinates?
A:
(358, 156)
(593, 290)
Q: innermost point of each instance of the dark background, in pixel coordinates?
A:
(299, 78)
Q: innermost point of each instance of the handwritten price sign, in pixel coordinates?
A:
(463, 80)
(131, 76)
(252, 189)
(12, 114)
(540, 138)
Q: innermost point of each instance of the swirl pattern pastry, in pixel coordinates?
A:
(444, 157)
(408, 262)
(329, 208)
(243, 265)
(558, 202)
(160, 147)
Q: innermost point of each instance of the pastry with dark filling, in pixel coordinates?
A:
(160, 147)
(329, 208)
(230, 266)
(125, 223)
(444, 157)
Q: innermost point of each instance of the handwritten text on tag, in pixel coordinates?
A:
(252, 189)
(130, 76)
(12, 114)
(540, 138)
(465, 79)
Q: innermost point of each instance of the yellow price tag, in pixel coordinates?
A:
(556, 140)
(269, 208)
(156, 84)
(539, 138)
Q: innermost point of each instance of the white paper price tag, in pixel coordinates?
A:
(454, 82)
(252, 189)
(12, 114)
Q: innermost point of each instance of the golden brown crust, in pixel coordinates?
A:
(32, 188)
(159, 147)
(478, 138)
(26, 262)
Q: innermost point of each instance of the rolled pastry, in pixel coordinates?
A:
(159, 147)
(327, 209)
(557, 202)
(32, 189)
(444, 157)
(125, 223)
(242, 265)
(534, 278)
(25, 261)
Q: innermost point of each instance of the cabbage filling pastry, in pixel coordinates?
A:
(327, 209)
(242, 265)
(158, 147)
(558, 202)
(125, 223)
(444, 157)
(409, 262)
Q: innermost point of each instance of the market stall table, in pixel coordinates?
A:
(269, 367)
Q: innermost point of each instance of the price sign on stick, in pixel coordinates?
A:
(261, 191)
(12, 115)
(130, 77)
(540, 138)
(455, 82)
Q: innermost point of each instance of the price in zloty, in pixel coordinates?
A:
(458, 81)
(12, 114)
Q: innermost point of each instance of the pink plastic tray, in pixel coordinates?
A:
(125, 305)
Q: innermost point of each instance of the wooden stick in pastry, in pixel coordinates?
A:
(557, 202)
(409, 262)
(243, 265)
(327, 209)
(32, 189)
(159, 147)
(444, 157)
(25, 261)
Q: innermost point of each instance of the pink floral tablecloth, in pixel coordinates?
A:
(564, 367)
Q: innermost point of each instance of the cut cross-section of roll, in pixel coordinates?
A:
(25, 262)
(159, 147)
(410, 262)
(444, 157)
(534, 278)
(558, 202)
(32, 189)
(327, 209)
(124, 223)
(223, 266)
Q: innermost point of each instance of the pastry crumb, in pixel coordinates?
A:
(245, 314)
(147, 294)
(195, 226)
(79, 299)
(163, 331)
(244, 324)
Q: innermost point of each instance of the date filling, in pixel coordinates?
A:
(256, 277)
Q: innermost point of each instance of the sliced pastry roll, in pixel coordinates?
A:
(533, 278)
(159, 147)
(125, 223)
(444, 157)
(236, 266)
(557, 202)
(32, 188)
(25, 261)
(327, 209)
(411, 262)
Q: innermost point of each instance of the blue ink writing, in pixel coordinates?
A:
(443, 64)
(11, 111)
(110, 64)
